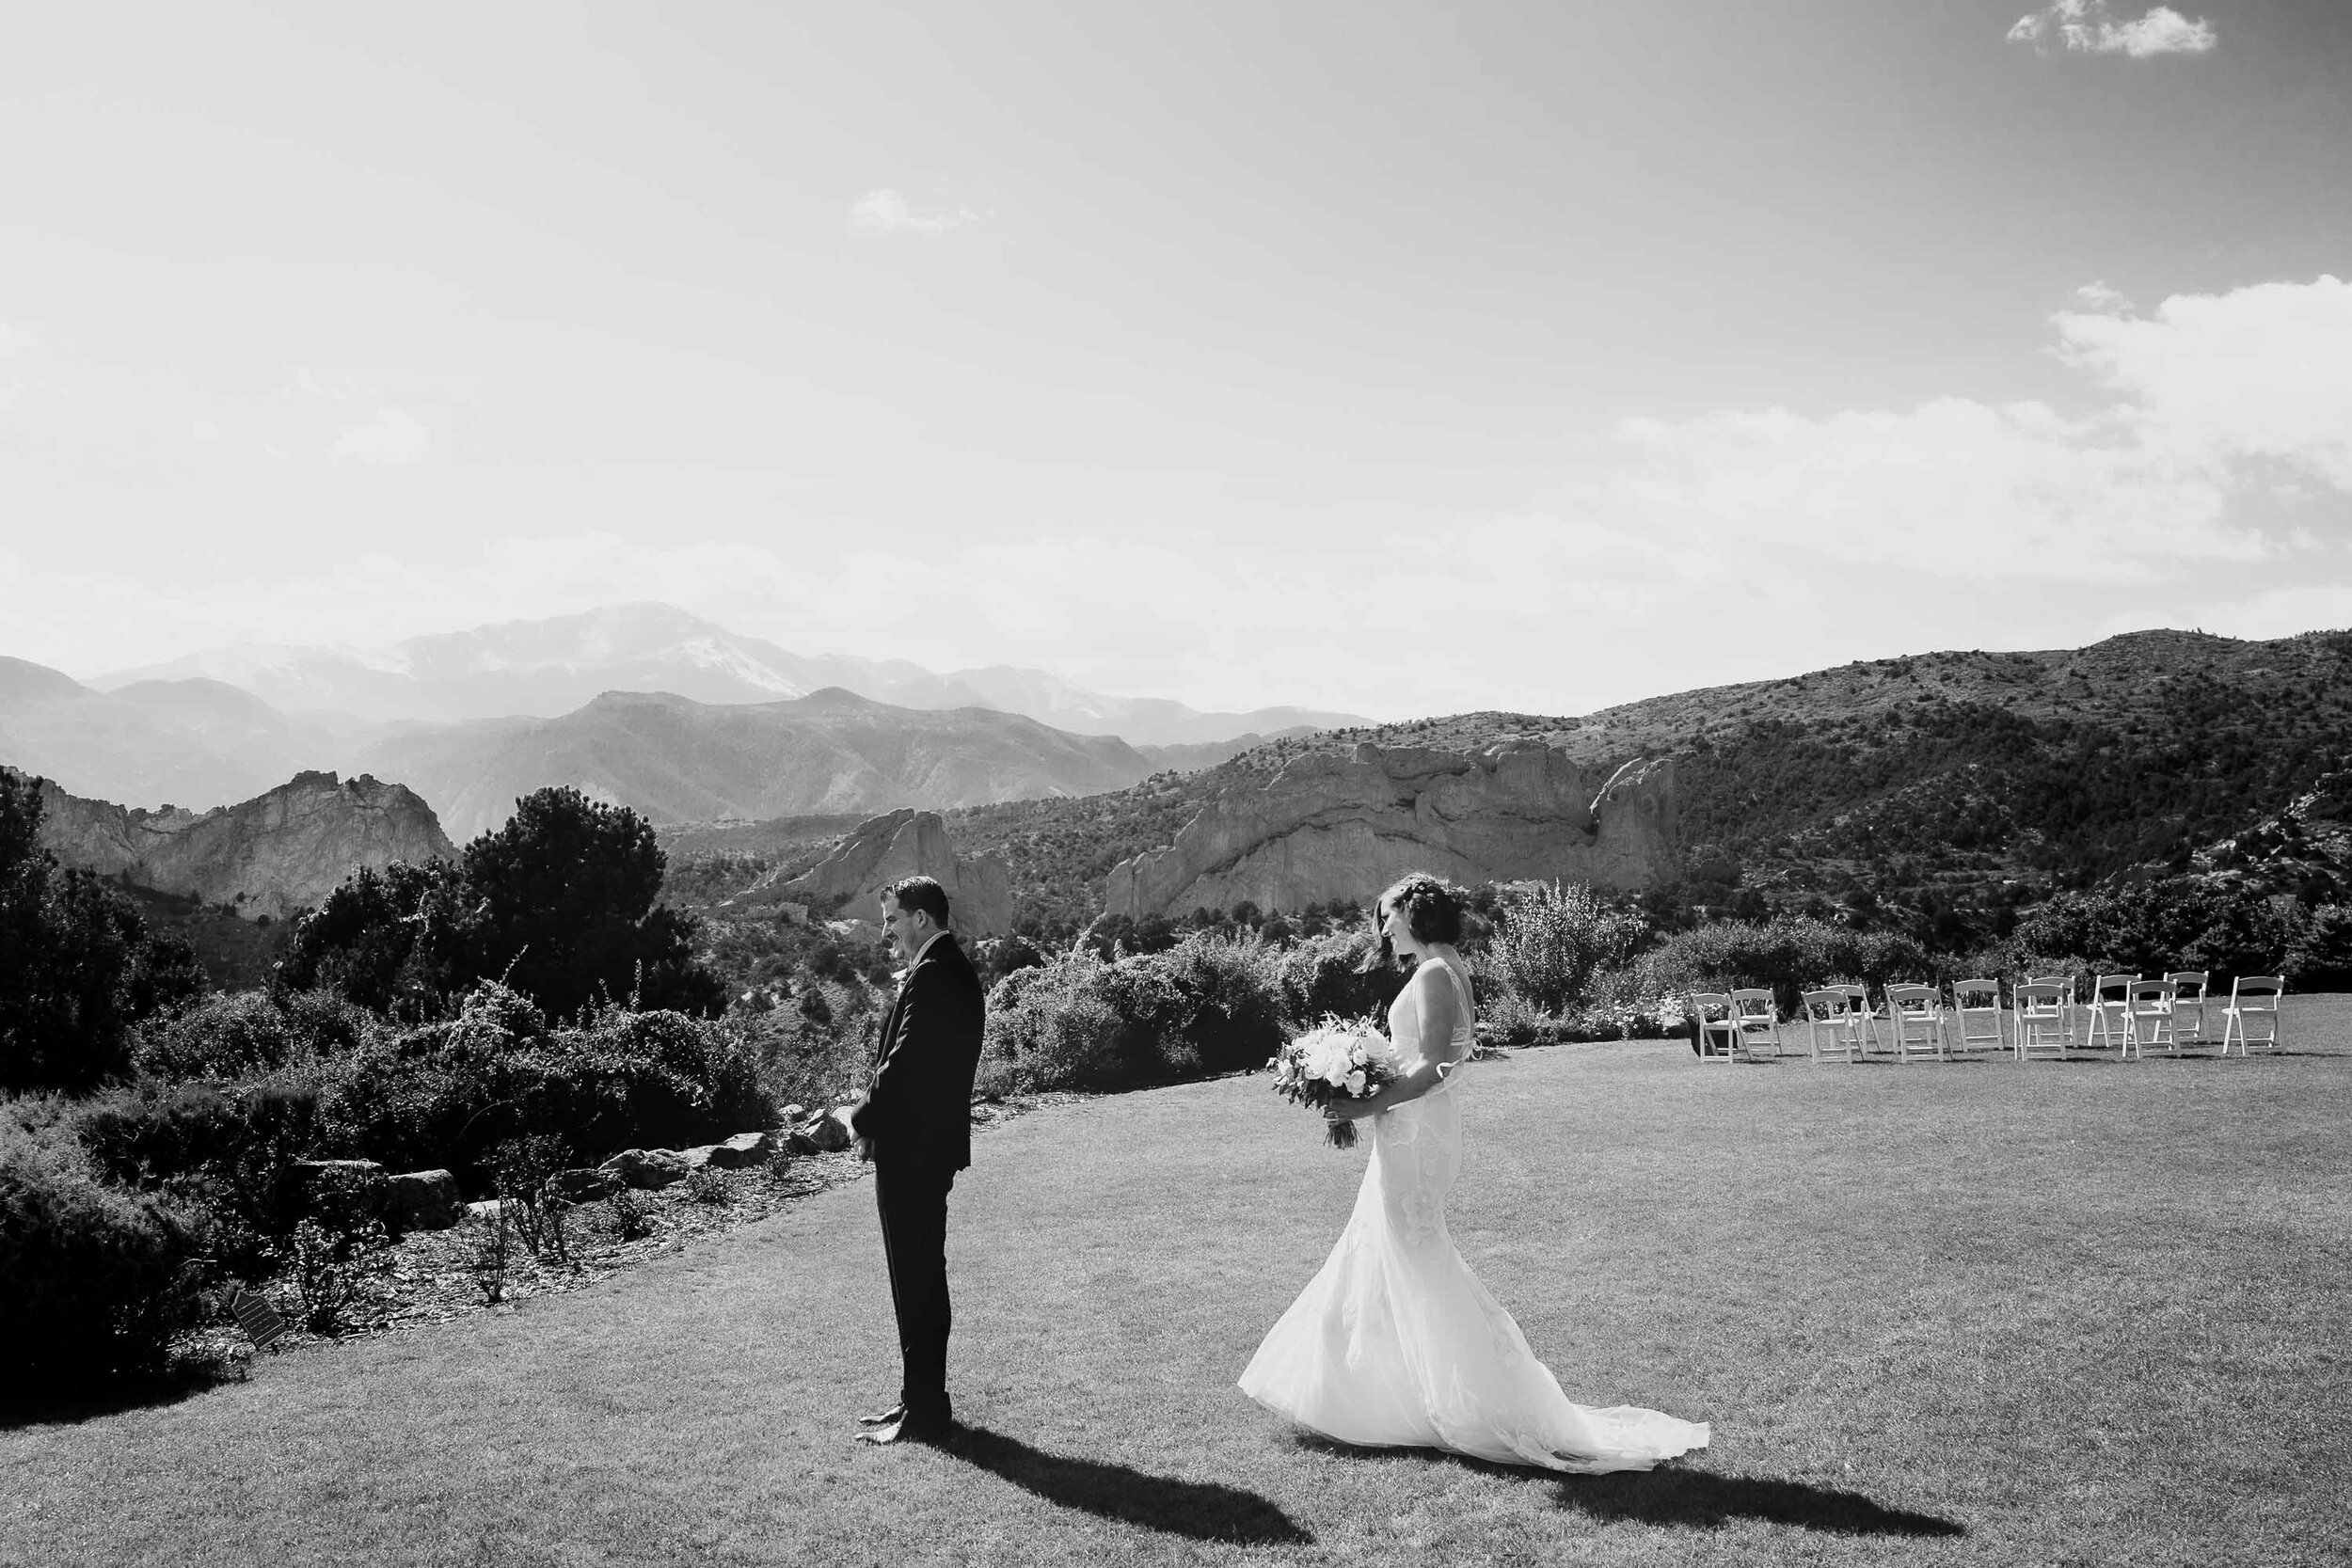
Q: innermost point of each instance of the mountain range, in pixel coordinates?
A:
(549, 667)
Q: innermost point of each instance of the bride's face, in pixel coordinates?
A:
(1398, 930)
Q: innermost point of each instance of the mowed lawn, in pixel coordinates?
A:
(1988, 1313)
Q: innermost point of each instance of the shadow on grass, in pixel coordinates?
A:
(44, 1410)
(1203, 1510)
(1676, 1496)
(1707, 1499)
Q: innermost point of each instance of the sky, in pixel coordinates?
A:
(1401, 359)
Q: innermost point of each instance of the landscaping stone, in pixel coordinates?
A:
(586, 1185)
(791, 1115)
(801, 1143)
(647, 1167)
(486, 1211)
(743, 1150)
(422, 1200)
(828, 1134)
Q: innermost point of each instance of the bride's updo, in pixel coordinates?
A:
(1432, 909)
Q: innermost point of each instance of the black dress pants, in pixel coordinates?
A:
(912, 1195)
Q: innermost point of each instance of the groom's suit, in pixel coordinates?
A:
(918, 1112)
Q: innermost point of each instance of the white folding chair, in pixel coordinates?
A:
(1866, 1021)
(1916, 1013)
(2046, 1018)
(1753, 1013)
(2253, 1005)
(2107, 1013)
(2188, 1006)
(2148, 1018)
(1718, 1038)
(2066, 1001)
(1833, 1011)
(1977, 1009)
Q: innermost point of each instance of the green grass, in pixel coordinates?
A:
(1983, 1313)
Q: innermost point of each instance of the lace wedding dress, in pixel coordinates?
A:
(1395, 1342)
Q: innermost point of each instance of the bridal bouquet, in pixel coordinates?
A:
(1334, 1061)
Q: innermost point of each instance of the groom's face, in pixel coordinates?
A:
(901, 923)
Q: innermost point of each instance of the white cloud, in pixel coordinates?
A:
(2089, 26)
(2231, 407)
(392, 436)
(12, 339)
(204, 430)
(885, 212)
(2263, 372)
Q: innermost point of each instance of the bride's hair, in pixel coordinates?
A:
(1432, 909)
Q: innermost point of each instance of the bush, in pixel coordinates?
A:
(1790, 956)
(445, 1094)
(95, 1282)
(1550, 939)
(1211, 1003)
(2171, 922)
(226, 1150)
(1056, 1027)
(242, 1034)
(1326, 974)
(2321, 959)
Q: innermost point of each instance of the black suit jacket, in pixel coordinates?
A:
(919, 1103)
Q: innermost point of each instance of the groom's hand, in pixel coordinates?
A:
(865, 1149)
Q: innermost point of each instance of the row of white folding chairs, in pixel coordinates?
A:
(2127, 1015)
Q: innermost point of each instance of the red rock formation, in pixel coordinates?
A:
(279, 853)
(1331, 827)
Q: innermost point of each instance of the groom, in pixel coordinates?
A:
(916, 1125)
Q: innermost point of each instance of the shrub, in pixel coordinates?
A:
(1228, 1000)
(1211, 1003)
(1326, 974)
(340, 1247)
(241, 1033)
(95, 1282)
(1551, 936)
(2171, 922)
(1790, 956)
(227, 1149)
(1056, 1027)
(445, 1094)
(2321, 959)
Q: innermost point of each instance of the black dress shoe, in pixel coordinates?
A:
(914, 1427)
(891, 1416)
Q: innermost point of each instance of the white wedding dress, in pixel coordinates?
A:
(1395, 1343)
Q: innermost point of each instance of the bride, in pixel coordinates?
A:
(1395, 1343)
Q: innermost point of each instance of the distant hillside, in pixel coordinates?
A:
(1949, 787)
(673, 760)
(196, 743)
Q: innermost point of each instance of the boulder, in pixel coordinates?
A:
(486, 1211)
(827, 1135)
(1329, 826)
(743, 1150)
(647, 1167)
(791, 1116)
(422, 1200)
(905, 843)
(583, 1185)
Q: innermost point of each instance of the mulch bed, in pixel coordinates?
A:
(434, 1277)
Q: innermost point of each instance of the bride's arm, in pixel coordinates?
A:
(1436, 1009)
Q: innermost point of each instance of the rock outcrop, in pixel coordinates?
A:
(1331, 827)
(904, 843)
(272, 855)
